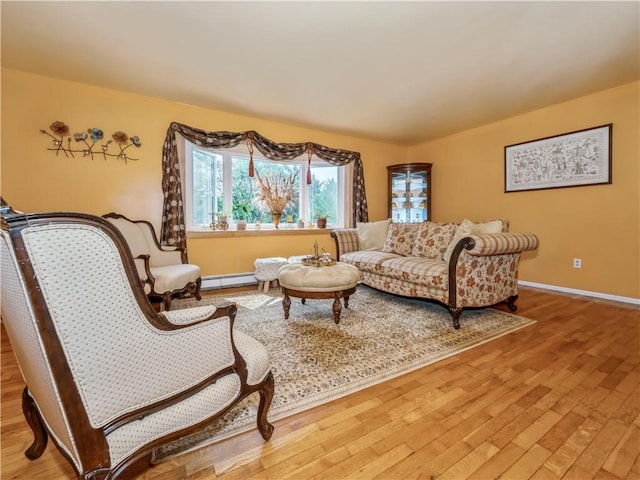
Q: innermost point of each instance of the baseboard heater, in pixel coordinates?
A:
(216, 282)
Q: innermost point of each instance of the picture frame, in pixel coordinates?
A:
(573, 159)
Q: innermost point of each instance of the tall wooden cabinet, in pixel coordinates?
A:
(410, 192)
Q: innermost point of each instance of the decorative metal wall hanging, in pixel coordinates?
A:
(93, 135)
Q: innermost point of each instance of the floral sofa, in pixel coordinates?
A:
(459, 265)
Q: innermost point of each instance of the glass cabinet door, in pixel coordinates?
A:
(410, 192)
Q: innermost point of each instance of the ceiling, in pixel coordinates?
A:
(400, 72)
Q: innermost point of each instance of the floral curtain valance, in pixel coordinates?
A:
(173, 216)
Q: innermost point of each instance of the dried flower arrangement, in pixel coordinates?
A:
(94, 134)
(276, 191)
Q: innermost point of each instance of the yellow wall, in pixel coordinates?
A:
(34, 179)
(599, 224)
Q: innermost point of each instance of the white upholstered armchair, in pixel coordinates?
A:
(109, 379)
(164, 271)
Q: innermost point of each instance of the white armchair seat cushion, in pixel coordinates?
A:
(174, 277)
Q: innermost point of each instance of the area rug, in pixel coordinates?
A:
(315, 361)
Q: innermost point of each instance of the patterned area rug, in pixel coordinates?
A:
(314, 361)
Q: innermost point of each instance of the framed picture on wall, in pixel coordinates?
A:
(572, 159)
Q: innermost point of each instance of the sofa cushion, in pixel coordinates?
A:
(400, 238)
(423, 271)
(368, 260)
(467, 227)
(432, 239)
(371, 235)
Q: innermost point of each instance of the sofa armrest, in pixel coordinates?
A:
(500, 243)
(346, 241)
(483, 269)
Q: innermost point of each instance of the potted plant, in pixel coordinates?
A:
(242, 211)
(321, 219)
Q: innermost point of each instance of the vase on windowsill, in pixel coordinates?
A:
(241, 224)
(276, 216)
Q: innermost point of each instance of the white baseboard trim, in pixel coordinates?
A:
(586, 293)
(216, 282)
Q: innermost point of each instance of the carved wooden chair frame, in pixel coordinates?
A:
(91, 441)
(191, 288)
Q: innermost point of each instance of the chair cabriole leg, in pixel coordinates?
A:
(197, 292)
(32, 416)
(167, 300)
(266, 391)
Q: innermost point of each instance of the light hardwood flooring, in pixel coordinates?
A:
(559, 399)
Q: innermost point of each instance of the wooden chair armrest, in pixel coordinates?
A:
(188, 317)
(150, 279)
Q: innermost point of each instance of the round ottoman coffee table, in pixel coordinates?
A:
(302, 281)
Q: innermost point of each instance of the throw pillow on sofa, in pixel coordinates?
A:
(466, 228)
(400, 238)
(432, 240)
(371, 235)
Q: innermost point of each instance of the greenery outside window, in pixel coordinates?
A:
(218, 181)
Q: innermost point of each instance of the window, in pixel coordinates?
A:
(218, 181)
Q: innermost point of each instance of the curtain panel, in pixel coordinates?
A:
(173, 231)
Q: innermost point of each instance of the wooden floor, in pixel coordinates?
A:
(559, 399)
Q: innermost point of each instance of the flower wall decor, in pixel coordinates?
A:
(93, 135)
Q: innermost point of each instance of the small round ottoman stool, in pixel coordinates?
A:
(302, 281)
(267, 270)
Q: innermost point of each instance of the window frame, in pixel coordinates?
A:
(227, 193)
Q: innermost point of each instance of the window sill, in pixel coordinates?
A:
(262, 232)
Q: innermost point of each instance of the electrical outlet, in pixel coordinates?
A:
(577, 263)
